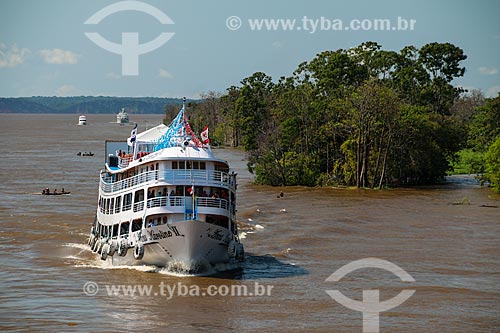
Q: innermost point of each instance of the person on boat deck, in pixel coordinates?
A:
(62, 190)
(172, 193)
(55, 191)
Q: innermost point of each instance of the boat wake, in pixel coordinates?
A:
(85, 258)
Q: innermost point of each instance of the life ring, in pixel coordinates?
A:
(231, 249)
(104, 251)
(240, 252)
(122, 248)
(94, 240)
(91, 240)
(112, 245)
(138, 251)
(96, 245)
(100, 245)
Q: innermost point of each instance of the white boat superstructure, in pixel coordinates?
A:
(168, 202)
(82, 120)
(122, 117)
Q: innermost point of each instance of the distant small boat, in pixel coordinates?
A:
(47, 192)
(82, 120)
(85, 154)
(122, 117)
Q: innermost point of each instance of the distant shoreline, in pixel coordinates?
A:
(80, 113)
(86, 104)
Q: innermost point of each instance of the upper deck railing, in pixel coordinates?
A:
(167, 201)
(174, 177)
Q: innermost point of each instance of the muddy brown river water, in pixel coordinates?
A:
(446, 237)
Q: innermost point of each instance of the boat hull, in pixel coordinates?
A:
(188, 246)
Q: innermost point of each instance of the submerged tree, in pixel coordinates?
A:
(363, 116)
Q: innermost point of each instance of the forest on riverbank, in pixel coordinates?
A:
(363, 117)
(85, 104)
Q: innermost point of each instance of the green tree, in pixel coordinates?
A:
(364, 116)
(442, 62)
(252, 105)
(493, 164)
(485, 125)
(371, 121)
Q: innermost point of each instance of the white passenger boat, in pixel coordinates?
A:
(168, 202)
(122, 117)
(82, 120)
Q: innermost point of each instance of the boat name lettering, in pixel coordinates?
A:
(217, 234)
(164, 234)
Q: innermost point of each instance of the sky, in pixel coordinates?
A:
(212, 45)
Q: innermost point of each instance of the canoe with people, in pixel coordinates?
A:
(47, 191)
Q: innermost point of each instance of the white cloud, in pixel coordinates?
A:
(58, 56)
(493, 91)
(67, 90)
(165, 73)
(13, 56)
(488, 70)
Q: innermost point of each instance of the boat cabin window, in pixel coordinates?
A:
(179, 190)
(221, 167)
(115, 230)
(155, 220)
(139, 196)
(124, 228)
(136, 225)
(118, 201)
(127, 201)
(196, 165)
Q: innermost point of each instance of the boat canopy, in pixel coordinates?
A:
(152, 135)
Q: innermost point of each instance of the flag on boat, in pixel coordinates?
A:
(133, 135)
(191, 190)
(204, 136)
